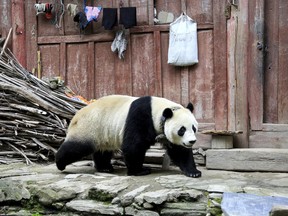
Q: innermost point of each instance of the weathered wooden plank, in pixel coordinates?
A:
(144, 11)
(272, 160)
(18, 24)
(200, 11)
(255, 62)
(6, 22)
(185, 86)
(31, 36)
(50, 63)
(241, 67)
(283, 63)
(77, 66)
(232, 25)
(220, 62)
(123, 74)
(275, 127)
(165, 28)
(171, 76)
(101, 37)
(91, 69)
(271, 66)
(143, 73)
(158, 65)
(201, 79)
(104, 70)
(107, 35)
(63, 61)
(268, 139)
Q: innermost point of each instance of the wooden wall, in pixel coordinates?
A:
(240, 82)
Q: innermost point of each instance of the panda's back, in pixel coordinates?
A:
(102, 122)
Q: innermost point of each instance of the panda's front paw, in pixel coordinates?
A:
(194, 174)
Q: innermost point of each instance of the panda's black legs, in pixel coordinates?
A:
(102, 161)
(72, 151)
(134, 162)
(183, 158)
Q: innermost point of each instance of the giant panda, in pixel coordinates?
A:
(131, 124)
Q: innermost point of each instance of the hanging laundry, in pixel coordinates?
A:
(44, 8)
(92, 13)
(109, 19)
(72, 9)
(128, 17)
(81, 18)
(119, 44)
(84, 18)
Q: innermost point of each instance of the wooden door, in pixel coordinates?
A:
(268, 103)
(89, 67)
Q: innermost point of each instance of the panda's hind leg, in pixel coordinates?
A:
(102, 160)
(71, 151)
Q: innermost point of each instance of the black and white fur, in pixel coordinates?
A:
(131, 124)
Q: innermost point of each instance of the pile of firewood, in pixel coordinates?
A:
(33, 117)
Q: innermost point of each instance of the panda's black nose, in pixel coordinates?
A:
(192, 141)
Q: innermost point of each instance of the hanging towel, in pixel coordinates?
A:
(128, 16)
(109, 19)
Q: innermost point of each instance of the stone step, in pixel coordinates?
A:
(252, 159)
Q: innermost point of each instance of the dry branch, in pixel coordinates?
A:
(33, 117)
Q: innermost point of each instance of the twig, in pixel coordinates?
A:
(6, 41)
(27, 159)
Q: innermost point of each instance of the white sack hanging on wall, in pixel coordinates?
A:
(183, 47)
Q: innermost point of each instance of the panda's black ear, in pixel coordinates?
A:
(190, 107)
(167, 113)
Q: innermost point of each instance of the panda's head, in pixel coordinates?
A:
(180, 125)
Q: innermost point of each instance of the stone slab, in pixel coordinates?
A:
(235, 204)
(271, 160)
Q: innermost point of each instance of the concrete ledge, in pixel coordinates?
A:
(272, 160)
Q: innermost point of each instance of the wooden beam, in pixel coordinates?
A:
(232, 25)
(255, 63)
(101, 37)
(283, 63)
(158, 65)
(241, 67)
(220, 63)
(18, 24)
(31, 36)
(271, 66)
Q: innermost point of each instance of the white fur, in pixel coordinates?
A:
(103, 121)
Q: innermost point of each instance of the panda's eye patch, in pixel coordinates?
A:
(181, 131)
(193, 128)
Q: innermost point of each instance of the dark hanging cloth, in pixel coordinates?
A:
(109, 19)
(81, 18)
(128, 16)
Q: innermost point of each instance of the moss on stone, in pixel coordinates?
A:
(100, 196)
